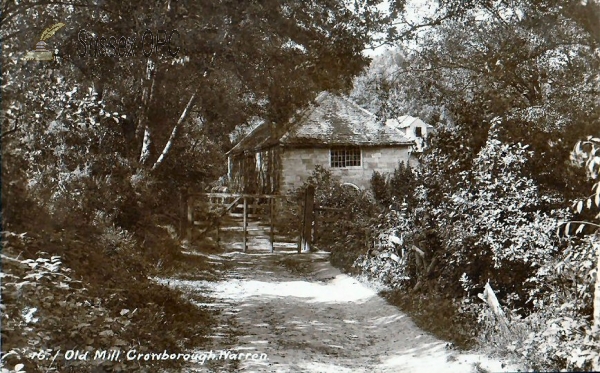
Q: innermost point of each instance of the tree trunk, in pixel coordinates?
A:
(169, 143)
(306, 229)
(143, 120)
(596, 324)
(145, 154)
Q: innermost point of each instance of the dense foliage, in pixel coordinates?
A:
(99, 149)
(495, 221)
(396, 190)
(494, 225)
(511, 88)
(107, 303)
(98, 153)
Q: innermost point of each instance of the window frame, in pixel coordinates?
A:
(346, 157)
(419, 132)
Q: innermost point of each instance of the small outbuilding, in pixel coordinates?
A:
(413, 128)
(333, 132)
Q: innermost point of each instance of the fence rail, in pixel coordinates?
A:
(227, 195)
(223, 204)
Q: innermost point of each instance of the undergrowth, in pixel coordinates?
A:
(438, 315)
(68, 291)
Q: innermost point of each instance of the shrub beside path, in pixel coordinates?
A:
(308, 317)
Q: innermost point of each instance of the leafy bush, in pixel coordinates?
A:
(389, 263)
(39, 296)
(397, 189)
(345, 237)
(493, 222)
(380, 188)
(61, 292)
(558, 332)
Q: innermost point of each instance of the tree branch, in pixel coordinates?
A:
(9, 14)
(581, 222)
(145, 153)
(13, 130)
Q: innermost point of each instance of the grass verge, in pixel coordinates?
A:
(437, 315)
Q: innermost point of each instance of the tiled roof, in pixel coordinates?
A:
(257, 139)
(406, 121)
(330, 120)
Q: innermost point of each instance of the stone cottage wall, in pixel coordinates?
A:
(298, 164)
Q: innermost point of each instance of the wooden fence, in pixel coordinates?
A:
(222, 204)
(263, 206)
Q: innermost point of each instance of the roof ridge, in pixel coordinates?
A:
(358, 106)
(330, 118)
(295, 120)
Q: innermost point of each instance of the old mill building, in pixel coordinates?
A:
(333, 132)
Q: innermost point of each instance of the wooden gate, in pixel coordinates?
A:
(218, 206)
(315, 218)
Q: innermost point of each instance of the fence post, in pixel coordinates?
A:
(489, 297)
(190, 218)
(183, 213)
(245, 223)
(305, 234)
(315, 228)
(271, 214)
(218, 232)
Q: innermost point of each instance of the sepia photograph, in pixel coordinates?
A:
(300, 186)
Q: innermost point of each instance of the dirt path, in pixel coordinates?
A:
(308, 317)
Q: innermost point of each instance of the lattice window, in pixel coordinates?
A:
(345, 157)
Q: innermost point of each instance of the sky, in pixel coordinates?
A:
(416, 11)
